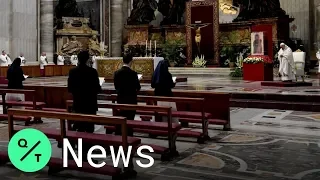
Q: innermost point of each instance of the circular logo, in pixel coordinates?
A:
(29, 150)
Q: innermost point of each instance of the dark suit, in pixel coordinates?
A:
(127, 85)
(84, 85)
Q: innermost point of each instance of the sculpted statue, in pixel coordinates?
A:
(73, 46)
(252, 9)
(142, 12)
(172, 10)
(94, 47)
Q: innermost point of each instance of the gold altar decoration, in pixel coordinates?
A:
(235, 37)
(137, 35)
(175, 34)
(74, 27)
(107, 66)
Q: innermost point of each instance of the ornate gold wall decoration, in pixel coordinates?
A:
(107, 66)
(235, 37)
(137, 34)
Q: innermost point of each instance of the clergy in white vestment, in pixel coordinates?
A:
(9, 60)
(43, 62)
(60, 60)
(23, 59)
(94, 62)
(4, 59)
(74, 60)
(286, 63)
(318, 57)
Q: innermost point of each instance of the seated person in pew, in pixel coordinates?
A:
(84, 85)
(162, 82)
(15, 77)
(127, 85)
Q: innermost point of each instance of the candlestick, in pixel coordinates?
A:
(146, 48)
(150, 49)
(155, 48)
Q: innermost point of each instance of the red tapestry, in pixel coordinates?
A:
(200, 13)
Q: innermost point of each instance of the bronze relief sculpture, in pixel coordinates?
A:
(173, 11)
(253, 9)
(142, 12)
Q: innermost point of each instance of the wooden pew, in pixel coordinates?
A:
(8, 104)
(56, 164)
(199, 115)
(55, 70)
(31, 70)
(217, 104)
(168, 129)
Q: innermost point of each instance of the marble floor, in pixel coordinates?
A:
(263, 144)
(213, 84)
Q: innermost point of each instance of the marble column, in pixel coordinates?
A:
(117, 22)
(46, 28)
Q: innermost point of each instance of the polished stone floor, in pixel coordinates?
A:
(263, 144)
(213, 84)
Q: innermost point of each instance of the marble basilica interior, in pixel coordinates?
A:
(247, 130)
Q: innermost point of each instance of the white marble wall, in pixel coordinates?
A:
(46, 28)
(117, 22)
(300, 10)
(24, 29)
(5, 25)
(18, 30)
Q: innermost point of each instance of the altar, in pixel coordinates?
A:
(106, 66)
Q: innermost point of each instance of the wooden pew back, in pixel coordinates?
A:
(156, 109)
(152, 100)
(218, 104)
(69, 116)
(30, 93)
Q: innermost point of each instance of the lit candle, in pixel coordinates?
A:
(150, 47)
(146, 45)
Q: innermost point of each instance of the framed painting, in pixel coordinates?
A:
(257, 43)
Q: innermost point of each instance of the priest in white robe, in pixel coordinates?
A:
(74, 60)
(94, 62)
(23, 59)
(60, 60)
(43, 62)
(4, 59)
(286, 63)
